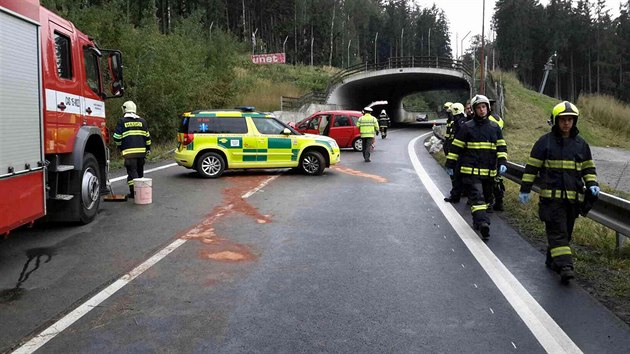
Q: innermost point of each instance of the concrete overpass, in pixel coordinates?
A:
(356, 87)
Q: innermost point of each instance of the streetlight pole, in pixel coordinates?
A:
(283, 45)
(483, 44)
(348, 64)
(402, 46)
(375, 56)
(429, 41)
(548, 67)
(461, 47)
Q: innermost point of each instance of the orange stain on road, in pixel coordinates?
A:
(218, 248)
(352, 172)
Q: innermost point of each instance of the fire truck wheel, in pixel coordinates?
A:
(89, 198)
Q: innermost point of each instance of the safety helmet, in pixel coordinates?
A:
(457, 108)
(447, 106)
(478, 99)
(129, 107)
(367, 109)
(564, 108)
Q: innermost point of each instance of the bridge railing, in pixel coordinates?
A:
(400, 62)
(295, 103)
(610, 211)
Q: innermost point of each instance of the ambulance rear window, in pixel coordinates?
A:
(214, 125)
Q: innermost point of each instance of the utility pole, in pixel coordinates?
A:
(348, 63)
(429, 41)
(402, 33)
(483, 43)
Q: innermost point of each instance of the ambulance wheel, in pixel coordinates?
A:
(312, 163)
(357, 144)
(90, 192)
(210, 165)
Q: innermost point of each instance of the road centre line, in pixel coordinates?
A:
(66, 321)
(548, 333)
(147, 171)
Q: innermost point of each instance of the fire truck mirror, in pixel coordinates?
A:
(115, 73)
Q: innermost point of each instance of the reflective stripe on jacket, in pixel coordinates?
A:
(478, 148)
(132, 136)
(368, 126)
(564, 166)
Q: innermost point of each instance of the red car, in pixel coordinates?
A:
(339, 125)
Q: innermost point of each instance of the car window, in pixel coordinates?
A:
(214, 125)
(314, 123)
(268, 126)
(355, 120)
(342, 121)
(304, 124)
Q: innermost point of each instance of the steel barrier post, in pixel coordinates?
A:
(622, 240)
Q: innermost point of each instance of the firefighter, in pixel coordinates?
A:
(448, 135)
(498, 188)
(459, 119)
(477, 151)
(368, 127)
(134, 142)
(563, 163)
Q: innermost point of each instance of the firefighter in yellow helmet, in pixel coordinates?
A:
(132, 137)
(563, 162)
(448, 135)
(459, 119)
(479, 152)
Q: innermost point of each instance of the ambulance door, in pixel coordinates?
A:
(274, 147)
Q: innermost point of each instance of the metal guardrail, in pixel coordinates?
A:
(610, 211)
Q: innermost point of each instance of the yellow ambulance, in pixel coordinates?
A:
(212, 141)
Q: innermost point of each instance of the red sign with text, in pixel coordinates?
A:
(272, 58)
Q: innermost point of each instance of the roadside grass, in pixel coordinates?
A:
(263, 85)
(602, 269)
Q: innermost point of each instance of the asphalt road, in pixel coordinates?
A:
(366, 258)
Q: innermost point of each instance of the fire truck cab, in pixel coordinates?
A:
(53, 136)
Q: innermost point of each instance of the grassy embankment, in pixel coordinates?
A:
(260, 86)
(603, 121)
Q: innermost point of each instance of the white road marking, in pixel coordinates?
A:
(514, 345)
(491, 310)
(66, 321)
(476, 287)
(548, 333)
(147, 171)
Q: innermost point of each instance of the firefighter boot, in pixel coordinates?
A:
(130, 195)
(485, 230)
(498, 204)
(452, 199)
(566, 274)
(549, 263)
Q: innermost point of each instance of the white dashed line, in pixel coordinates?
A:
(514, 345)
(548, 333)
(463, 266)
(476, 287)
(491, 310)
(49, 333)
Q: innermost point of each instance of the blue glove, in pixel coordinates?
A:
(594, 190)
(502, 169)
(450, 172)
(524, 197)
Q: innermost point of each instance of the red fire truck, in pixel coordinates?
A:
(53, 153)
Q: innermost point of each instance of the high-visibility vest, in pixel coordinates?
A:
(368, 126)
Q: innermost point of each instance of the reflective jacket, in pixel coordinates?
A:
(564, 166)
(497, 120)
(478, 148)
(132, 136)
(455, 126)
(368, 126)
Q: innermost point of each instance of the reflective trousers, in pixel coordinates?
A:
(559, 218)
(479, 194)
(135, 169)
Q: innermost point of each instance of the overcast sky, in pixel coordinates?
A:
(465, 15)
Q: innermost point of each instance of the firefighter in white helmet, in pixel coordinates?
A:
(132, 138)
(480, 153)
(368, 127)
